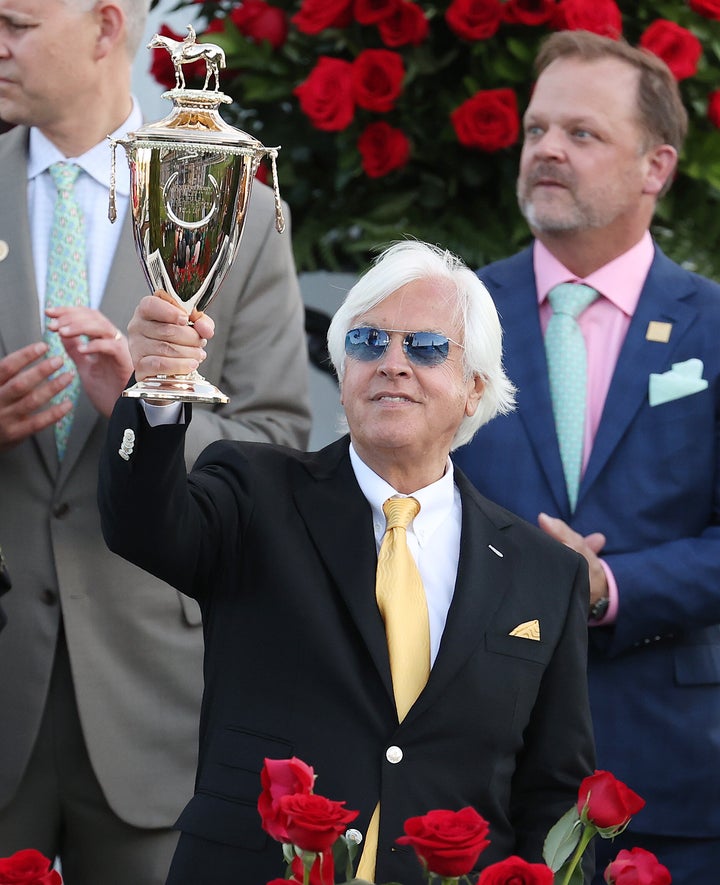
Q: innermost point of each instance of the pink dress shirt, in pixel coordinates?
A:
(604, 325)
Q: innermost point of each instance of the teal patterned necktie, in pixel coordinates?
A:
(567, 370)
(66, 279)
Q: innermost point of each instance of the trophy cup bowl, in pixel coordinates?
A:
(191, 176)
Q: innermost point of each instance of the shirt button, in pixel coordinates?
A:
(393, 755)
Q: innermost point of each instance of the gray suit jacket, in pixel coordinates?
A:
(135, 647)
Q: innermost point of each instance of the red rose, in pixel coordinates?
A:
(606, 802)
(708, 8)
(408, 24)
(314, 822)
(281, 777)
(474, 19)
(677, 47)
(370, 12)
(383, 148)
(529, 12)
(162, 67)
(260, 21)
(488, 121)
(516, 871)
(713, 110)
(378, 77)
(317, 15)
(637, 867)
(322, 872)
(599, 16)
(448, 842)
(28, 867)
(327, 95)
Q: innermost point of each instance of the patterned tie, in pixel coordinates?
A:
(402, 603)
(66, 279)
(567, 370)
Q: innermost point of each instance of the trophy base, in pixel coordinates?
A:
(192, 388)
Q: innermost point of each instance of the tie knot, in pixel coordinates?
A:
(64, 175)
(400, 512)
(571, 298)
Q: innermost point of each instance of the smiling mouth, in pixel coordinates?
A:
(388, 398)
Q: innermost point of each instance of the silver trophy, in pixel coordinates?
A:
(190, 180)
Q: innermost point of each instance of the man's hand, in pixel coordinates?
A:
(99, 351)
(589, 546)
(161, 340)
(26, 392)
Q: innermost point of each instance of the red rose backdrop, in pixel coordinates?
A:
(404, 117)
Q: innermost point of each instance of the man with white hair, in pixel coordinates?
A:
(470, 690)
(102, 669)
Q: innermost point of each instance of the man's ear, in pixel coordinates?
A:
(112, 29)
(661, 161)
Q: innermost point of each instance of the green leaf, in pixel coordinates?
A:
(562, 839)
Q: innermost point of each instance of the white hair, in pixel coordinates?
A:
(136, 12)
(405, 262)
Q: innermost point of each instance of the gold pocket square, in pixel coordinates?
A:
(528, 630)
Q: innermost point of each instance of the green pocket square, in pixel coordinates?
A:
(683, 379)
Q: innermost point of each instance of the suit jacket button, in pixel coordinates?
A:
(61, 510)
(49, 597)
(394, 755)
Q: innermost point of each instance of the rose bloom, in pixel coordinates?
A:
(377, 79)
(407, 25)
(327, 96)
(474, 19)
(713, 110)
(488, 121)
(708, 8)
(448, 842)
(28, 867)
(370, 12)
(383, 149)
(516, 871)
(260, 21)
(314, 822)
(529, 12)
(281, 777)
(679, 48)
(637, 867)
(315, 16)
(607, 802)
(599, 16)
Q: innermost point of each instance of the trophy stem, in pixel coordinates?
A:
(192, 388)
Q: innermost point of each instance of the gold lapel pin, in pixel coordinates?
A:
(657, 331)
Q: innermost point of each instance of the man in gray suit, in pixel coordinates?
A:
(102, 664)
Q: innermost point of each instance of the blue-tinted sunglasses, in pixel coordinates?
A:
(421, 348)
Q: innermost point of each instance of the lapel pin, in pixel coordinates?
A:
(527, 630)
(657, 331)
(127, 446)
(495, 551)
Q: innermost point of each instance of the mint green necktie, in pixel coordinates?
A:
(67, 282)
(567, 371)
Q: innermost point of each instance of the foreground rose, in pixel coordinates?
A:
(488, 121)
(326, 97)
(281, 777)
(637, 867)
(447, 842)
(314, 822)
(679, 48)
(28, 867)
(516, 871)
(607, 803)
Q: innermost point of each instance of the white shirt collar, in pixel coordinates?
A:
(95, 162)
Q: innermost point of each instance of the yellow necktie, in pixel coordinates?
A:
(402, 603)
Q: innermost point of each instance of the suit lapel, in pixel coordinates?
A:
(663, 298)
(339, 521)
(512, 285)
(19, 306)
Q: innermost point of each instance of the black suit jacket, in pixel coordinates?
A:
(278, 548)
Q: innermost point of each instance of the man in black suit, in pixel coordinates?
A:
(280, 548)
